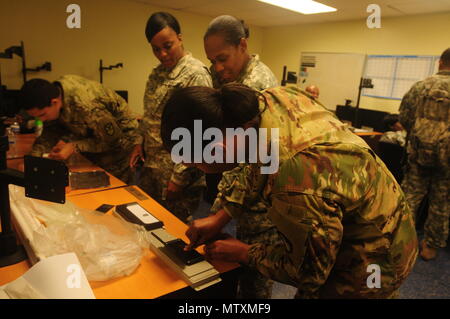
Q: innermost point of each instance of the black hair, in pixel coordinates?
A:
(229, 107)
(159, 21)
(37, 93)
(230, 28)
(445, 58)
(388, 121)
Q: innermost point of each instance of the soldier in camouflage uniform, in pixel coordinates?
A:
(82, 116)
(226, 48)
(255, 74)
(336, 207)
(178, 69)
(425, 114)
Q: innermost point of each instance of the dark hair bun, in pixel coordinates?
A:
(230, 28)
(239, 103)
(159, 21)
(246, 29)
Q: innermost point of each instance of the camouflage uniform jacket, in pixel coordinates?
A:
(425, 114)
(161, 83)
(256, 75)
(334, 203)
(94, 118)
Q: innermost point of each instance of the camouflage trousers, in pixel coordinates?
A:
(251, 229)
(420, 181)
(154, 181)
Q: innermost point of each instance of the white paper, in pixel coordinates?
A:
(3, 294)
(142, 214)
(56, 277)
(22, 289)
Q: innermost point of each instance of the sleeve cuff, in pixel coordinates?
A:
(180, 175)
(80, 146)
(235, 211)
(178, 181)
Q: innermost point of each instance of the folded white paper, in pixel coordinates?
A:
(56, 277)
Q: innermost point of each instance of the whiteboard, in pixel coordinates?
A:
(393, 75)
(336, 74)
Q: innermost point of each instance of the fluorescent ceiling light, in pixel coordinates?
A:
(302, 6)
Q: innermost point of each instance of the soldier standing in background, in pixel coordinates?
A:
(82, 116)
(425, 114)
(313, 90)
(226, 47)
(336, 207)
(176, 187)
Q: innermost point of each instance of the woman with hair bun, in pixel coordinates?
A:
(226, 46)
(176, 187)
(344, 227)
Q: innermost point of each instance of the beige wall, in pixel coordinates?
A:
(112, 30)
(422, 35)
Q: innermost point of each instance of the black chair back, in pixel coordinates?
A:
(392, 155)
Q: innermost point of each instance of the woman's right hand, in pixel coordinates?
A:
(203, 229)
(136, 155)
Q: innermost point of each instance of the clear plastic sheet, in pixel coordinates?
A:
(107, 246)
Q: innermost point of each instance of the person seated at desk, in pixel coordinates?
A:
(81, 115)
(313, 90)
(393, 131)
(336, 208)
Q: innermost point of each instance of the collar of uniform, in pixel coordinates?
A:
(446, 72)
(254, 59)
(175, 72)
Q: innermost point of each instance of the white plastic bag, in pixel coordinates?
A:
(107, 246)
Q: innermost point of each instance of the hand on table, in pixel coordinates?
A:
(204, 229)
(62, 151)
(228, 249)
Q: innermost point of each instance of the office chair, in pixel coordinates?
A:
(392, 156)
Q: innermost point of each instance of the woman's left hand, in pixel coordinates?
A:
(62, 151)
(228, 249)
